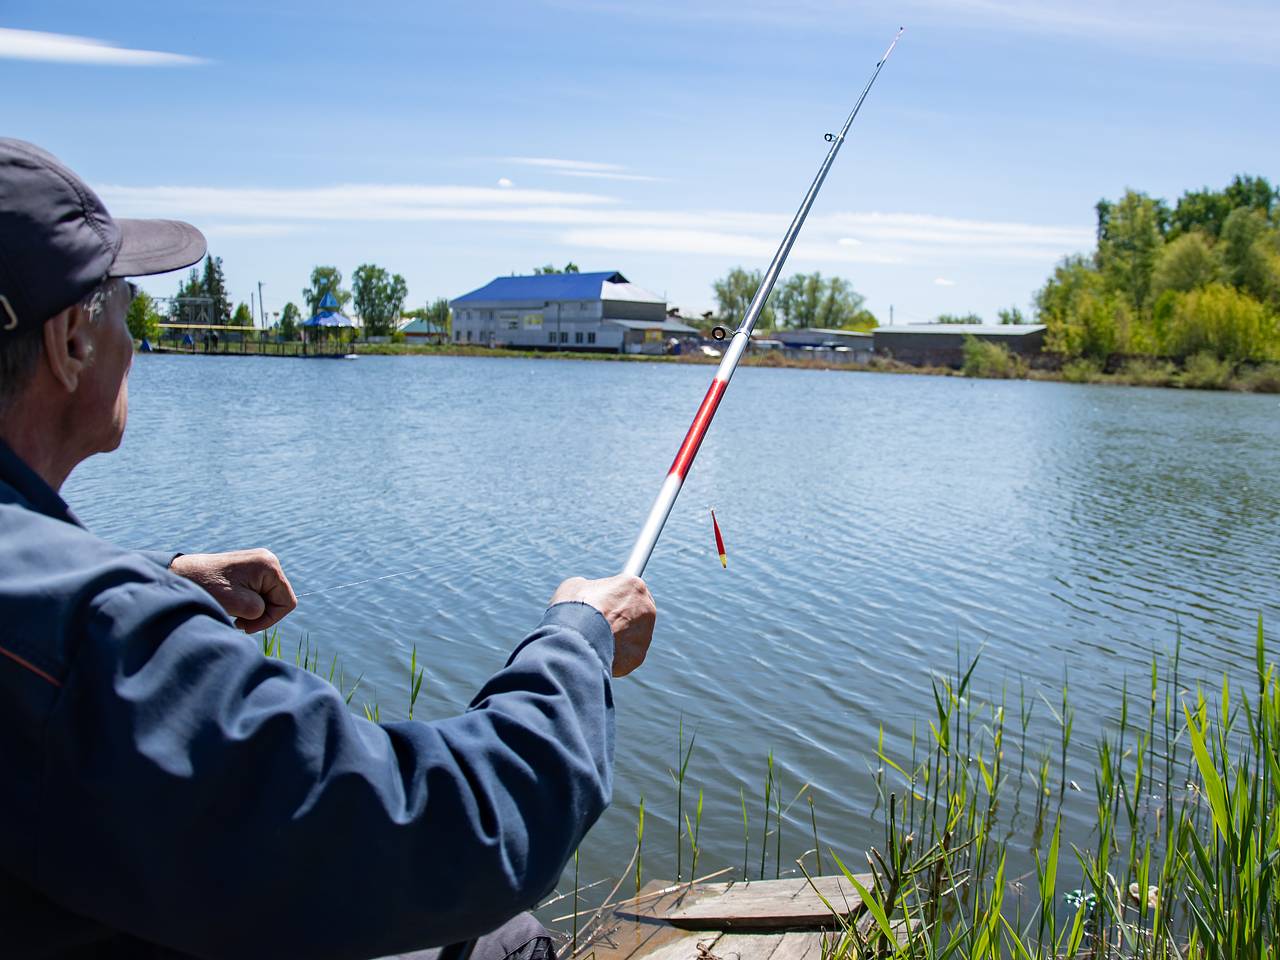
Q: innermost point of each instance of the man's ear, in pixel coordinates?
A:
(68, 346)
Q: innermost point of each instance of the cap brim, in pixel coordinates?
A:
(156, 246)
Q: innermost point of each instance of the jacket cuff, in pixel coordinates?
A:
(588, 621)
(161, 558)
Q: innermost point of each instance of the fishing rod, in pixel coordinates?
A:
(670, 489)
(661, 509)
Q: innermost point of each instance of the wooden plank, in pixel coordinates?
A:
(799, 945)
(770, 904)
(689, 947)
(639, 925)
(684, 896)
(747, 946)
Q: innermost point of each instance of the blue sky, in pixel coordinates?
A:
(671, 140)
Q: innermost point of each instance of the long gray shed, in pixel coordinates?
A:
(942, 344)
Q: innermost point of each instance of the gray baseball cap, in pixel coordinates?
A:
(58, 242)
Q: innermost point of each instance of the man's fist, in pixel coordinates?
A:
(248, 584)
(628, 608)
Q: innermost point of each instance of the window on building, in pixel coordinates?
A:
(577, 337)
(551, 336)
(457, 335)
(468, 336)
(564, 336)
(591, 336)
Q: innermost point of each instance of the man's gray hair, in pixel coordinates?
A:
(21, 349)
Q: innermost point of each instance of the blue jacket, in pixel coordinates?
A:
(167, 788)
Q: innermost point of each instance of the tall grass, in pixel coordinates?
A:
(1183, 859)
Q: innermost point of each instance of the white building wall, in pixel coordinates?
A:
(536, 325)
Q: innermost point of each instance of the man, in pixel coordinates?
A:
(168, 790)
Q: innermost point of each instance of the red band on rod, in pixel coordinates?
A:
(693, 439)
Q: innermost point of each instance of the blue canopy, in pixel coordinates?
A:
(329, 318)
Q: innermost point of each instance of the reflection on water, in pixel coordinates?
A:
(875, 524)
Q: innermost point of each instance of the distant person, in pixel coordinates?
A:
(205, 340)
(214, 337)
(170, 791)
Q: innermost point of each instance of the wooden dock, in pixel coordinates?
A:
(748, 920)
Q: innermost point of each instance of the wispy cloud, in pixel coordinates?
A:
(943, 282)
(64, 48)
(1218, 30)
(581, 168)
(351, 202)
(266, 230)
(596, 221)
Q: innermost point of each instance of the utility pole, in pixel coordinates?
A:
(252, 310)
(262, 307)
(891, 314)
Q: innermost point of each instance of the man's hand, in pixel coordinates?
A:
(628, 608)
(248, 584)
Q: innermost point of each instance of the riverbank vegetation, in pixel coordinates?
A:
(1200, 371)
(1200, 279)
(1182, 854)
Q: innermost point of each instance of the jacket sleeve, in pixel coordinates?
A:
(205, 797)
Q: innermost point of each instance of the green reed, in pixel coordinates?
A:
(1182, 861)
(682, 764)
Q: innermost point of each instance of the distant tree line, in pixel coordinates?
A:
(1201, 277)
(376, 297)
(802, 300)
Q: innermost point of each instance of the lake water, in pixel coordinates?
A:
(874, 525)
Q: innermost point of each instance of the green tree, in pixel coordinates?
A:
(289, 319)
(1011, 317)
(1063, 301)
(958, 318)
(1130, 234)
(242, 317)
(734, 292)
(1223, 321)
(1207, 210)
(193, 286)
(569, 267)
(325, 280)
(142, 318)
(439, 316)
(1251, 254)
(215, 287)
(378, 298)
(1185, 264)
(810, 300)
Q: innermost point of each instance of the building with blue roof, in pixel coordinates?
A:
(597, 312)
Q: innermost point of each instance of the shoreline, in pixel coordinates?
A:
(1199, 374)
(1264, 378)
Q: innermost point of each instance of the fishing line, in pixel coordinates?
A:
(670, 489)
(356, 583)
